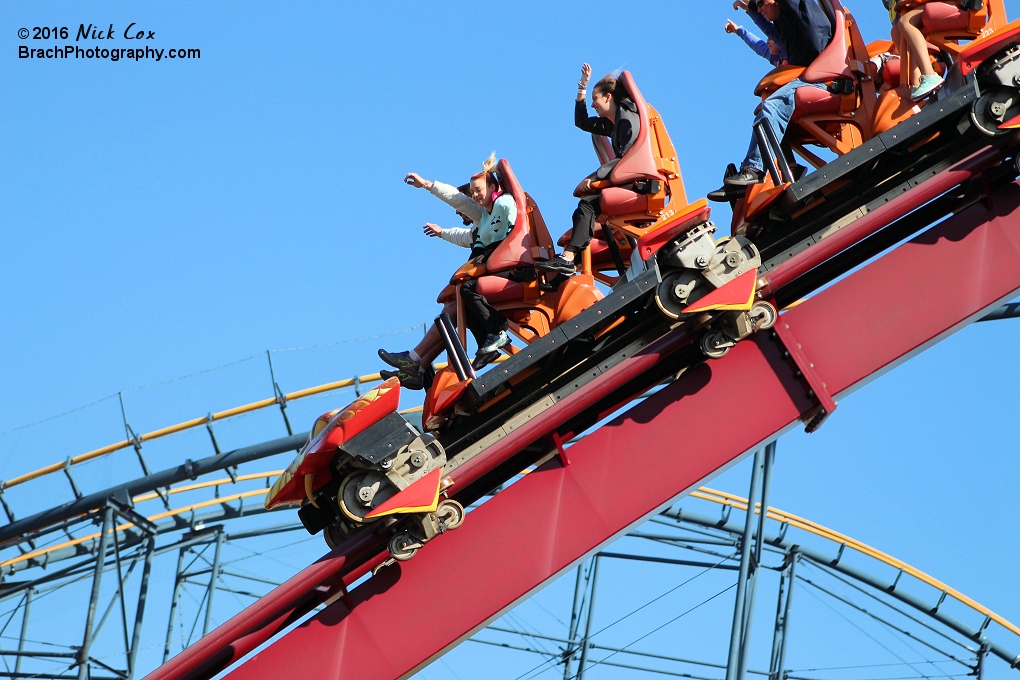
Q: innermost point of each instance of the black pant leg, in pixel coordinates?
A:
(588, 209)
(478, 308)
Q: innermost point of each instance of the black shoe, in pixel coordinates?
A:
(400, 360)
(722, 195)
(558, 264)
(727, 193)
(483, 360)
(407, 381)
(744, 178)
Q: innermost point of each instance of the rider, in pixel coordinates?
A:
(907, 24)
(617, 119)
(492, 215)
(766, 49)
(804, 31)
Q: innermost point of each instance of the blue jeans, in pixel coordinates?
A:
(777, 109)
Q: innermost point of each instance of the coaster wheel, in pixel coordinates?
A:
(403, 546)
(450, 514)
(994, 108)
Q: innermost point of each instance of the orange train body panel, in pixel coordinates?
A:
(738, 294)
(325, 441)
(421, 496)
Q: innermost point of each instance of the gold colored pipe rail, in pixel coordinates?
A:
(703, 493)
(128, 525)
(197, 422)
(740, 503)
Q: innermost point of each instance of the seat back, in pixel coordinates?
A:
(638, 164)
(542, 247)
(833, 62)
(516, 249)
(840, 122)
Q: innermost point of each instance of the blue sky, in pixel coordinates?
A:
(160, 219)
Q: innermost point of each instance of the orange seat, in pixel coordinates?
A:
(949, 27)
(943, 16)
(839, 122)
(531, 311)
(811, 100)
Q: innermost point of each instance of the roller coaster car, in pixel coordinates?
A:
(365, 464)
(839, 117)
(643, 193)
(671, 254)
(948, 29)
(978, 106)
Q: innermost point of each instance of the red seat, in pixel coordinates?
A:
(812, 101)
(638, 163)
(515, 250)
(497, 289)
(944, 16)
(832, 62)
(617, 201)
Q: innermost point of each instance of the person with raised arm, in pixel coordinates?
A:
(617, 119)
(491, 214)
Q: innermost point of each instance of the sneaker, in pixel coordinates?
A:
(407, 381)
(745, 177)
(926, 87)
(483, 360)
(558, 264)
(726, 193)
(400, 360)
(494, 342)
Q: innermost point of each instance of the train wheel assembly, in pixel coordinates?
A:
(715, 344)
(403, 546)
(763, 315)
(994, 108)
(362, 491)
(450, 514)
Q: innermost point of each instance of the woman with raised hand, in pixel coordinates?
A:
(617, 119)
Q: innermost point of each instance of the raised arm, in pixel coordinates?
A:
(447, 194)
(593, 124)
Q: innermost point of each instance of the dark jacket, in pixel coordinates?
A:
(622, 133)
(804, 29)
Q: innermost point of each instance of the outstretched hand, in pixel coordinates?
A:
(585, 77)
(739, 4)
(432, 229)
(731, 27)
(416, 180)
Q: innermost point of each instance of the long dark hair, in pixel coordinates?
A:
(611, 83)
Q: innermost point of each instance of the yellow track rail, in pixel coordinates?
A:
(740, 503)
(160, 515)
(198, 422)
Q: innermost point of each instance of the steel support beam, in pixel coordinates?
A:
(97, 579)
(777, 666)
(24, 628)
(143, 594)
(739, 603)
(213, 575)
(586, 640)
(575, 617)
(174, 600)
(752, 590)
